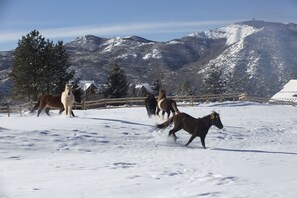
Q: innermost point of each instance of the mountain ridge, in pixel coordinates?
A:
(259, 56)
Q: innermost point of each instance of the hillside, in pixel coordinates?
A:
(256, 57)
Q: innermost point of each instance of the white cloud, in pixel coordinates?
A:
(132, 28)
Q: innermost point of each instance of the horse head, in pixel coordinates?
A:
(68, 88)
(215, 120)
(77, 95)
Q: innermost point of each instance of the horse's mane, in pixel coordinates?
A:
(212, 114)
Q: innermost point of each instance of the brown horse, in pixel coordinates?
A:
(49, 101)
(166, 104)
(196, 127)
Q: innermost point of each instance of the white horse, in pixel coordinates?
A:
(67, 99)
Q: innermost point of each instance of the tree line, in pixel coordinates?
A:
(41, 66)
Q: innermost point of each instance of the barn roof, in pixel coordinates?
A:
(146, 86)
(288, 93)
(85, 84)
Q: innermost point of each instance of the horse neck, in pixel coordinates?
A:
(160, 97)
(207, 122)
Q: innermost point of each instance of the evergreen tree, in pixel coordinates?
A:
(39, 66)
(238, 81)
(26, 73)
(186, 89)
(117, 83)
(61, 73)
(213, 82)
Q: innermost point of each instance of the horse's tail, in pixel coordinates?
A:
(165, 124)
(36, 106)
(147, 106)
(174, 106)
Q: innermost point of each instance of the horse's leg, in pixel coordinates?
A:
(72, 113)
(203, 142)
(70, 110)
(61, 111)
(41, 106)
(191, 139)
(163, 113)
(39, 110)
(158, 110)
(47, 109)
(168, 114)
(173, 131)
(66, 110)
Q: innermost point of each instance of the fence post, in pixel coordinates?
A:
(31, 105)
(83, 105)
(20, 108)
(105, 103)
(8, 110)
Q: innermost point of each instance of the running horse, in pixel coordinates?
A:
(195, 126)
(166, 104)
(49, 101)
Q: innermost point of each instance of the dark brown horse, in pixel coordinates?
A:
(150, 105)
(49, 101)
(166, 104)
(196, 127)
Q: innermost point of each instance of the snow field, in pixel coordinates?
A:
(119, 153)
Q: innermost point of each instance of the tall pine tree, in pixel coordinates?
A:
(117, 83)
(213, 82)
(26, 73)
(186, 89)
(61, 72)
(39, 66)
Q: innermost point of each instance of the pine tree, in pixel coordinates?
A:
(117, 83)
(238, 81)
(39, 66)
(26, 73)
(213, 82)
(61, 73)
(186, 89)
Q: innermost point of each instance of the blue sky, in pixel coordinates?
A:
(159, 20)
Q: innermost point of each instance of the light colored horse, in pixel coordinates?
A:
(67, 99)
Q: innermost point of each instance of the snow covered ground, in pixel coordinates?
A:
(119, 153)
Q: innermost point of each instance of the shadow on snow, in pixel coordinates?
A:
(254, 151)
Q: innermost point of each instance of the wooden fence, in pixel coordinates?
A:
(15, 108)
(130, 102)
(139, 101)
(181, 100)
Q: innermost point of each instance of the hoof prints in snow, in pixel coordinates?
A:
(123, 165)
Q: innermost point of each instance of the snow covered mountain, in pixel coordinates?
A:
(255, 56)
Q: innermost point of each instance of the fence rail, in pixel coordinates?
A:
(133, 101)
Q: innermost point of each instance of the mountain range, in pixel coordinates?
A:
(256, 57)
